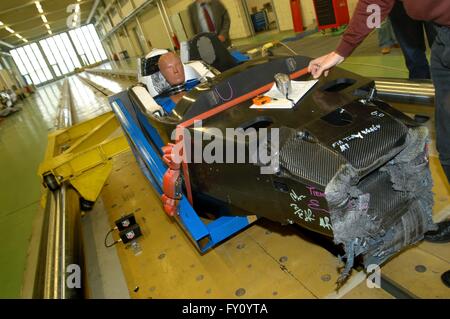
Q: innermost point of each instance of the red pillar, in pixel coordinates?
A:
(296, 10)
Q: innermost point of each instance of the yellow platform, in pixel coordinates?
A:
(266, 260)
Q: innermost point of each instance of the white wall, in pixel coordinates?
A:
(239, 27)
(106, 24)
(175, 6)
(115, 44)
(259, 4)
(284, 15)
(137, 3)
(154, 30)
(127, 8)
(115, 16)
(126, 43)
(134, 39)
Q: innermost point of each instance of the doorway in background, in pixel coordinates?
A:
(261, 16)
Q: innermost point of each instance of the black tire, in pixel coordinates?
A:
(51, 182)
(86, 205)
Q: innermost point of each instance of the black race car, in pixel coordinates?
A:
(348, 166)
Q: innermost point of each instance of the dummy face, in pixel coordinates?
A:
(172, 68)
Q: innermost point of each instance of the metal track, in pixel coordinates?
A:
(60, 246)
(96, 86)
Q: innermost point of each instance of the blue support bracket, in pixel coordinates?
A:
(204, 235)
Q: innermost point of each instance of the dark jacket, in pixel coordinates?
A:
(437, 11)
(220, 16)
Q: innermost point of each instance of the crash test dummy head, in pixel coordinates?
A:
(172, 69)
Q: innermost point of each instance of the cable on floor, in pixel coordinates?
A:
(106, 239)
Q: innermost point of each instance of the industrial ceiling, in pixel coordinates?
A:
(23, 21)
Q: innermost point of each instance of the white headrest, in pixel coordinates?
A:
(156, 52)
(147, 101)
(197, 70)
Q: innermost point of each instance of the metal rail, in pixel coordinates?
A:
(405, 91)
(96, 86)
(60, 245)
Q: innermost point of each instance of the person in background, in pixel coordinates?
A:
(386, 37)
(211, 16)
(437, 12)
(410, 36)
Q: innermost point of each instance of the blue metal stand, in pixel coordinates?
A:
(204, 235)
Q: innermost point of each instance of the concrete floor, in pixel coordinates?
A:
(23, 140)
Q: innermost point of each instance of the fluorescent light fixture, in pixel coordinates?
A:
(39, 7)
(1, 23)
(50, 32)
(47, 26)
(18, 35)
(44, 18)
(9, 29)
(24, 40)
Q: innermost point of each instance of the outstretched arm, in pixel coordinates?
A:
(364, 19)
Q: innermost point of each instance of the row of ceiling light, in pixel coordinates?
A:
(44, 19)
(13, 32)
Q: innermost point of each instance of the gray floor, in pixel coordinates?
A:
(105, 277)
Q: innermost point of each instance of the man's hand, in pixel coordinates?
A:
(322, 65)
(221, 38)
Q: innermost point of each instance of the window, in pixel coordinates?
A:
(59, 55)
(51, 58)
(70, 50)
(53, 47)
(97, 42)
(88, 44)
(31, 64)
